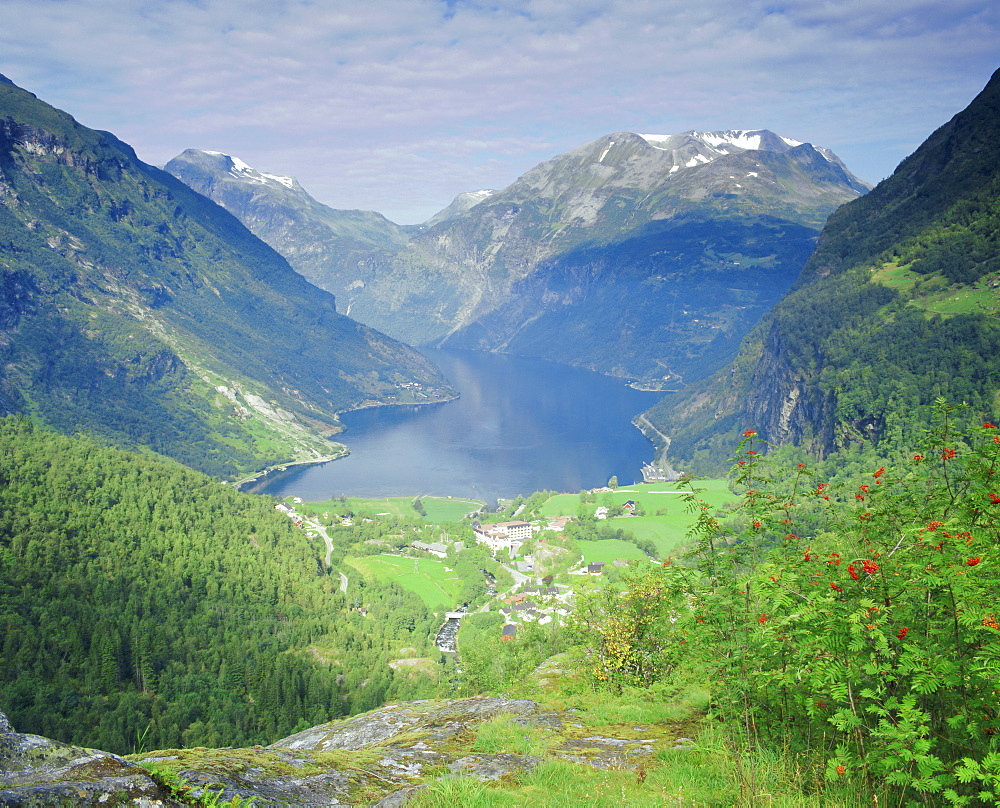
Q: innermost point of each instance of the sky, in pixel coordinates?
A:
(399, 105)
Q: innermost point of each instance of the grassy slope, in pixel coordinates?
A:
(439, 509)
(436, 585)
(609, 550)
(667, 530)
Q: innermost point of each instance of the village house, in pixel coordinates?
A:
(434, 548)
(503, 535)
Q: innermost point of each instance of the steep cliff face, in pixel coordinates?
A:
(790, 410)
(897, 306)
(136, 309)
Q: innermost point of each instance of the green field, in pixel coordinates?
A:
(448, 509)
(667, 530)
(425, 577)
(439, 509)
(394, 506)
(608, 550)
(935, 295)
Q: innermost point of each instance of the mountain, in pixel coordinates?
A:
(637, 255)
(135, 309)
(319, 242)
(897, 306)
(459, 205)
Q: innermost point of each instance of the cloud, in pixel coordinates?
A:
(399, 105)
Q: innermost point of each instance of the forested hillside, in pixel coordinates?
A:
(136, 309)
(898, 305)
(145, 605)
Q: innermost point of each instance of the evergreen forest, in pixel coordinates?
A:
(143, 604)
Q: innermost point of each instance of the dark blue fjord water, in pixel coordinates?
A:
(520, 425)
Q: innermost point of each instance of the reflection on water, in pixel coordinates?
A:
(520, 425)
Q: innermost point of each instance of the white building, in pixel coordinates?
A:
(435, 548)
(503, 535)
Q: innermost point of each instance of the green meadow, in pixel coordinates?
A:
(439, 509)
(609, 550)
(448, 509)
(401, 507)
(936, 295)
(428, 578)
(667, 518)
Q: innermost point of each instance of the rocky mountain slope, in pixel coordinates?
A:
(313, 237)
(637, 255)
(898, 305)
(459, 205)
(136, 309)
(642, 256)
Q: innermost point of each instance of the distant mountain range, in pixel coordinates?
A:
(899, 304)
(135, 309)
(644, 256)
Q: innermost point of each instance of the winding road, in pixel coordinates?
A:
(311, 524)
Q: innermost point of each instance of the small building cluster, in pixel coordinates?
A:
(522, 608)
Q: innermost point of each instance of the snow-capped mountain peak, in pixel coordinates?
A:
(724, 142)
(244, 171)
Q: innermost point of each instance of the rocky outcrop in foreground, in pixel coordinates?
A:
(36, 771)
(380, 758)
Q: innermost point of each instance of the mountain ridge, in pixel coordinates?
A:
(526, 269)
(142, 311)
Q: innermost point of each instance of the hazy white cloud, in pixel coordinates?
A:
(398, 105)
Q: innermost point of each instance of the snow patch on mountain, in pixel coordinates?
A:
(288, 182)
(722, 142)
(240, 166)
(244, 171)
(740, 138)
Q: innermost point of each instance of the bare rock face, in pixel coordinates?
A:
(440, 720)
(35, 771)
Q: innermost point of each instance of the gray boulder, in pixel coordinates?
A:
(36, 771)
